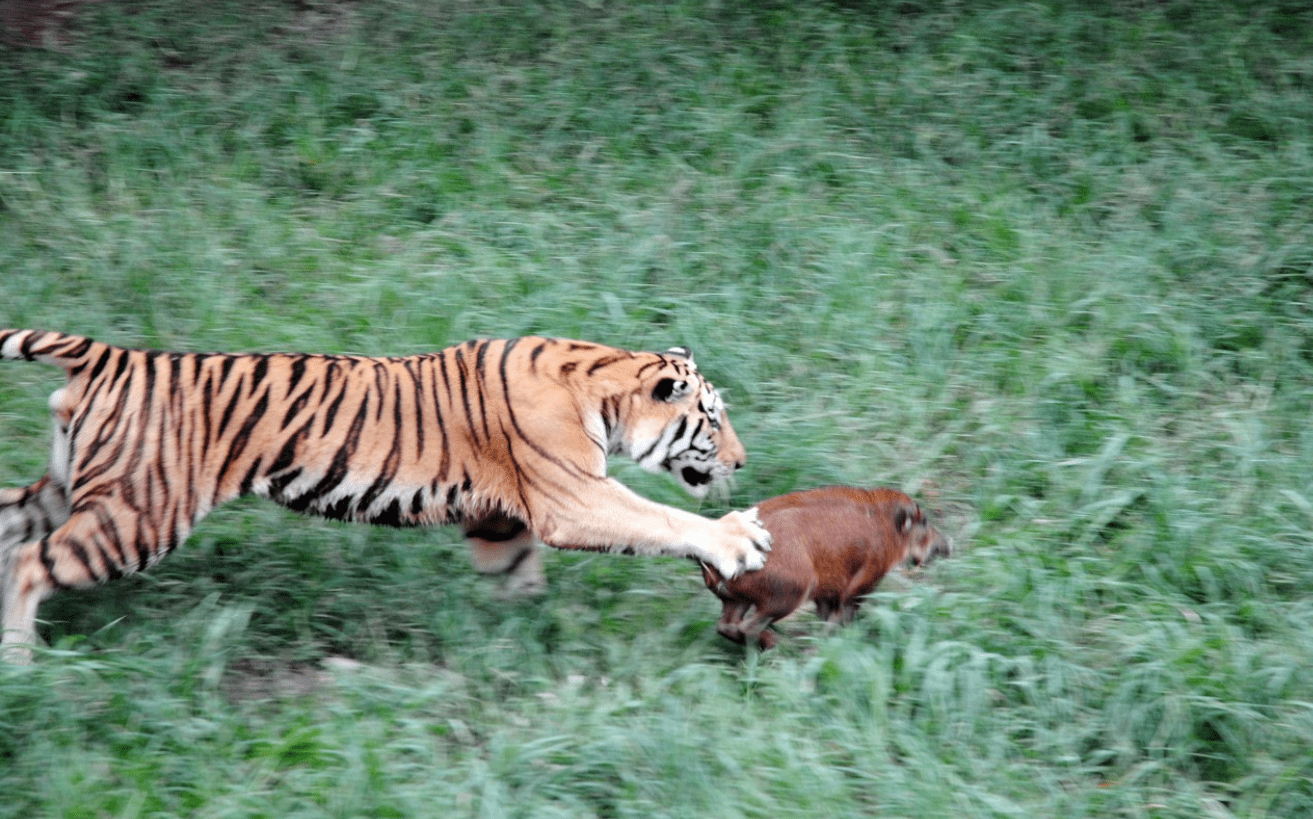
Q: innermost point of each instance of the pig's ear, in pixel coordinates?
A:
(903, 521)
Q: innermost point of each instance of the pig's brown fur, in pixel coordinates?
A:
(830, 545)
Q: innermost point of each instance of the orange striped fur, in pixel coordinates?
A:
(508, 438)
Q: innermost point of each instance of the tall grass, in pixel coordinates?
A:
(1045, 266)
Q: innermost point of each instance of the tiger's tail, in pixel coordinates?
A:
(59, 349)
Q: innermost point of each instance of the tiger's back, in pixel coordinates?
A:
(344, 437)
(146, 443)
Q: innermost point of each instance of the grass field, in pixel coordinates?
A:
(1047, 268)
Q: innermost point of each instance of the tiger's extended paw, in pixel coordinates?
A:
(742, 547)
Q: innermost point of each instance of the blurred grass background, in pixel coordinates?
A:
(1046, 266)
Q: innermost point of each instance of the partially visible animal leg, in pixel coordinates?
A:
(31, 512)
(24, 585)
(617, 520)
(758, 630)
(758, 627)
(848, 611)
(505, 546)
(730, 625)
(837, 611)
(27, 514)
(104, 540)
(828, 609)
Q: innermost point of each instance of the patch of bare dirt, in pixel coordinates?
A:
(254, 681)
(39, 23)
(49, 23)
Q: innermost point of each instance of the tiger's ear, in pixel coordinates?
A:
(671, 389)
(682, 352)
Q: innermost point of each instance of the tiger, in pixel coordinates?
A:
(507, 438)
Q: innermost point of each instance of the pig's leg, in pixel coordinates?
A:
(731, 620)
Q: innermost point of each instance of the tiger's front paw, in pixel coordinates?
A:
(742, 545)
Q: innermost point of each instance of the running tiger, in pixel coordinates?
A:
(508, 438)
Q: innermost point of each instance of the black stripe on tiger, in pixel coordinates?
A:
(503, 370)
(337, 470)
(389, 470)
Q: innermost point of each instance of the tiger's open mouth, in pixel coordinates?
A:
(695, 477)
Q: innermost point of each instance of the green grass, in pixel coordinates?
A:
(1048, 268)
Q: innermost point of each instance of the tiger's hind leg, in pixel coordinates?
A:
(104, 540)
(505, 546)
(26, 514)
(31, 512)
(23, 586)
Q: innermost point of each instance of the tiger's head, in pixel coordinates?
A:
(675, 422)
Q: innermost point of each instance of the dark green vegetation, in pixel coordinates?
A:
(1049, 269)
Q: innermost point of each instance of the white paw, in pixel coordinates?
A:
(742, 547)
(763, 538)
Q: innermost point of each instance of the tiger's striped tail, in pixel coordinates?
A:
(59, 349)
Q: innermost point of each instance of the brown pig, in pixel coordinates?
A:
(831, 545)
